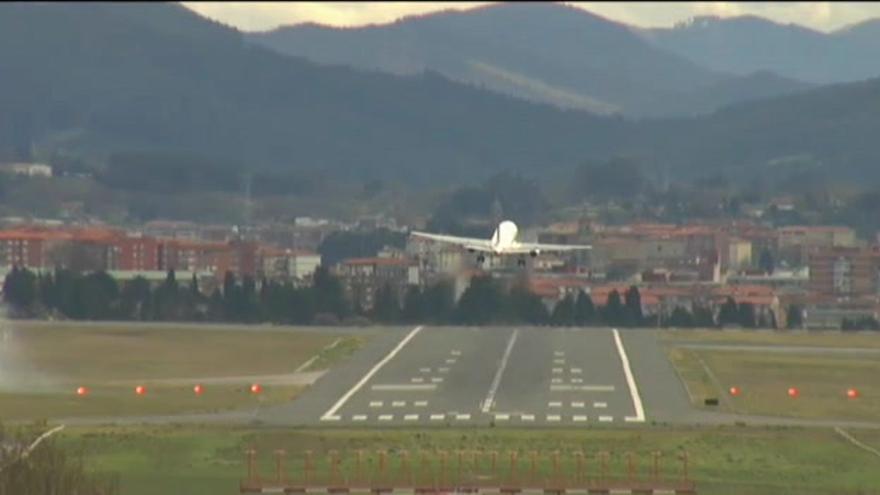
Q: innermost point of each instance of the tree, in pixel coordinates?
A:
(20, 288)
(703, 317)
(729, 314)
(98, 296)
(680, 318)
(413, 305)
(386, 307)
(584, 310)
(746, 315)
(564, 312)
(795, 316)
(481, 303)
(439, 302)
(633, 313)
(614, 312)
(135, 299)
(766, 262)
(328, 293)
(527, 307)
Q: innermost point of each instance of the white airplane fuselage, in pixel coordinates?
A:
(504, 237)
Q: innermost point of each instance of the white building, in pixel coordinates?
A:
(28, 169)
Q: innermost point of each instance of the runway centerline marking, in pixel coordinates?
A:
(405, 387)
(630, 380)
(582, 388)
(496, 382)
(375, 369)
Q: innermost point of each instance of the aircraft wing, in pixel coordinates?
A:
(528, 247)
(465, 242)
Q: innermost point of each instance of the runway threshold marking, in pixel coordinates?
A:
(630, 380)
(493, 389)
(375, 369)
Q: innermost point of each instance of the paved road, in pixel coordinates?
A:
(506, 376)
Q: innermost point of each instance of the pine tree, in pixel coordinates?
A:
(634, 316)
(584, 310)
(564, 312)
(614, 312)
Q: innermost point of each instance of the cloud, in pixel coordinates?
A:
(258, 16)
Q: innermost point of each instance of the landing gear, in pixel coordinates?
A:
(521, 262)
(480, 259)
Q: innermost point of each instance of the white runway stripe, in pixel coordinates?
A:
(436, 379)
(443, 370)
(359, 417)
(386, 417)
(425, 370)
(437, 417)
(554, 418)
(398, 403)
(342, 400)
(411, 417)
(600, 405)
(582, 388)
(376, 403)
(559, 361)
(527, 417)
(404, 387)
(630, 380)
(496, 381)
(606, 419)
(576, 371)
(557, 370)
(450, 361)
(579, 418)
(554, 404)
(417, 379)
(421, 403)
(577, 380)
(556, 380)
(577, 405)
(462, 417)
(455, 352)
(502, 417)
(559, 353)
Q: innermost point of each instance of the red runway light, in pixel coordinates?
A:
(198, 390)
(256, 388)
(140, 390)
(734, 391)
(81, 391)
(793, 392)
(852, 393)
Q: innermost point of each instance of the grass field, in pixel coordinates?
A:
(764, 379)
(789, 338)
(723, 460)
(41, 366)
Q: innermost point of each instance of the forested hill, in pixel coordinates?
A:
(540, 51)
(99, 77)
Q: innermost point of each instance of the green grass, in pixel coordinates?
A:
(723, 460)
(44, 363)
(764, 379)
(336, 351)
(782, 337)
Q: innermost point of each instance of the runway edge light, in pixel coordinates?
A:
(793, 392)
(852, 393)
(82, 391)
(734, 391)
(256, 388)
(198, 389)
(140, 390)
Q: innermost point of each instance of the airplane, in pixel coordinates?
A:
(503, 242)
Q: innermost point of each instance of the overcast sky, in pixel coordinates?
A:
(259, 16)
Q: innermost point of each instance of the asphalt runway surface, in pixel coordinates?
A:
(516, 376)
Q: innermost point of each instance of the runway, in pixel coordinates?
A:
(517, 376)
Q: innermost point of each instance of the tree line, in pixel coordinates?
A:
(97, 296)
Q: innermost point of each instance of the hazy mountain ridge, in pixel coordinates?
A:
(599, 64)
(742, 45)
(94, 78)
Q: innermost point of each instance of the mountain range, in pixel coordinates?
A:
(545, 52)
(746, 44)
(94, 80)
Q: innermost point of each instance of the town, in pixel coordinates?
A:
(813, 277)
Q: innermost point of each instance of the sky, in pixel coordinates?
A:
(261, 16)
